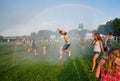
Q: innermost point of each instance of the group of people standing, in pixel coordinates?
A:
(33, 47)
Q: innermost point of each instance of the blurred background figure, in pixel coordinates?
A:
(32, 46)
(108, 41)
(61, 53)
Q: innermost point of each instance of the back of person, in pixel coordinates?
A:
(109, 42)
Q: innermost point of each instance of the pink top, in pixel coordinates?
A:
(110, 76)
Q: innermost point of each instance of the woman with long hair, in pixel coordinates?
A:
(111, 69)
(97, 48)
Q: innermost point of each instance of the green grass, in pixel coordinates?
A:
(18, 65)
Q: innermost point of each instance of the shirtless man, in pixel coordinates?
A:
(67, 42)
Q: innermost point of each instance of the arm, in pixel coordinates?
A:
(101, 46)
(106, 41)
(58, 29)
(89, 44)
(99, 67)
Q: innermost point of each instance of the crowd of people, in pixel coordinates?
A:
(107, 68)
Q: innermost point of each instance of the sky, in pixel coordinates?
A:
(21, 17)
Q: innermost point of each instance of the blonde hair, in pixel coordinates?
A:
(110, 66)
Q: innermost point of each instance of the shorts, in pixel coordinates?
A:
(33, 47)
(65, 47)
(104, 57)
(97, 53)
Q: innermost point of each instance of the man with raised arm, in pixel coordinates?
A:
(67, 41)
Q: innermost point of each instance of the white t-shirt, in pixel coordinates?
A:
(97, 47)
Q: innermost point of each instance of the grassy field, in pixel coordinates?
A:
(18, 65)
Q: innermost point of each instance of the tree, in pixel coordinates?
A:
(116, 24)
(106, 28)
(110, 26)
(44, 34)
(33, 34)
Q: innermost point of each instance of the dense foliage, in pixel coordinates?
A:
(110, 26)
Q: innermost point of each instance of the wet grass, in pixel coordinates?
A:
(18, 65)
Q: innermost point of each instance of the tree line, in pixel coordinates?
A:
(110, 26)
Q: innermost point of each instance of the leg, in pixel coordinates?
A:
(65, 48)
(95, 57)
(34, 51)
(68, 52)
(101, 62)
(29, 50)
(44, 50)
(61, 53)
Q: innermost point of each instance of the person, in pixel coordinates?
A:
(107, 47)
(23, 40)
(102, 61)
(98, 48)
(67, 42)
(82, 40)
(61, 53)
(108, 41)
(111, 69)
(33, 46)
(44, 50)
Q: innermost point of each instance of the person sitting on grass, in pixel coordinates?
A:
(67, 42)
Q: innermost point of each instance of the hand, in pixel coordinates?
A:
(58, 29)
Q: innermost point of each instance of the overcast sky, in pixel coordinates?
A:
(21, 17)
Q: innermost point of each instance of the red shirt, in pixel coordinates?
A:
(110, 76)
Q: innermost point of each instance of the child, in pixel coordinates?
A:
(98, 48)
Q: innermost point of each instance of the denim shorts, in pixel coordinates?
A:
(65, 47)
(97, 53)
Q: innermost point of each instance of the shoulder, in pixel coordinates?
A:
(66, 34)
(100, 41)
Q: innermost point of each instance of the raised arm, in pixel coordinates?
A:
(89, 44)
(106, 39)
(60, 30)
